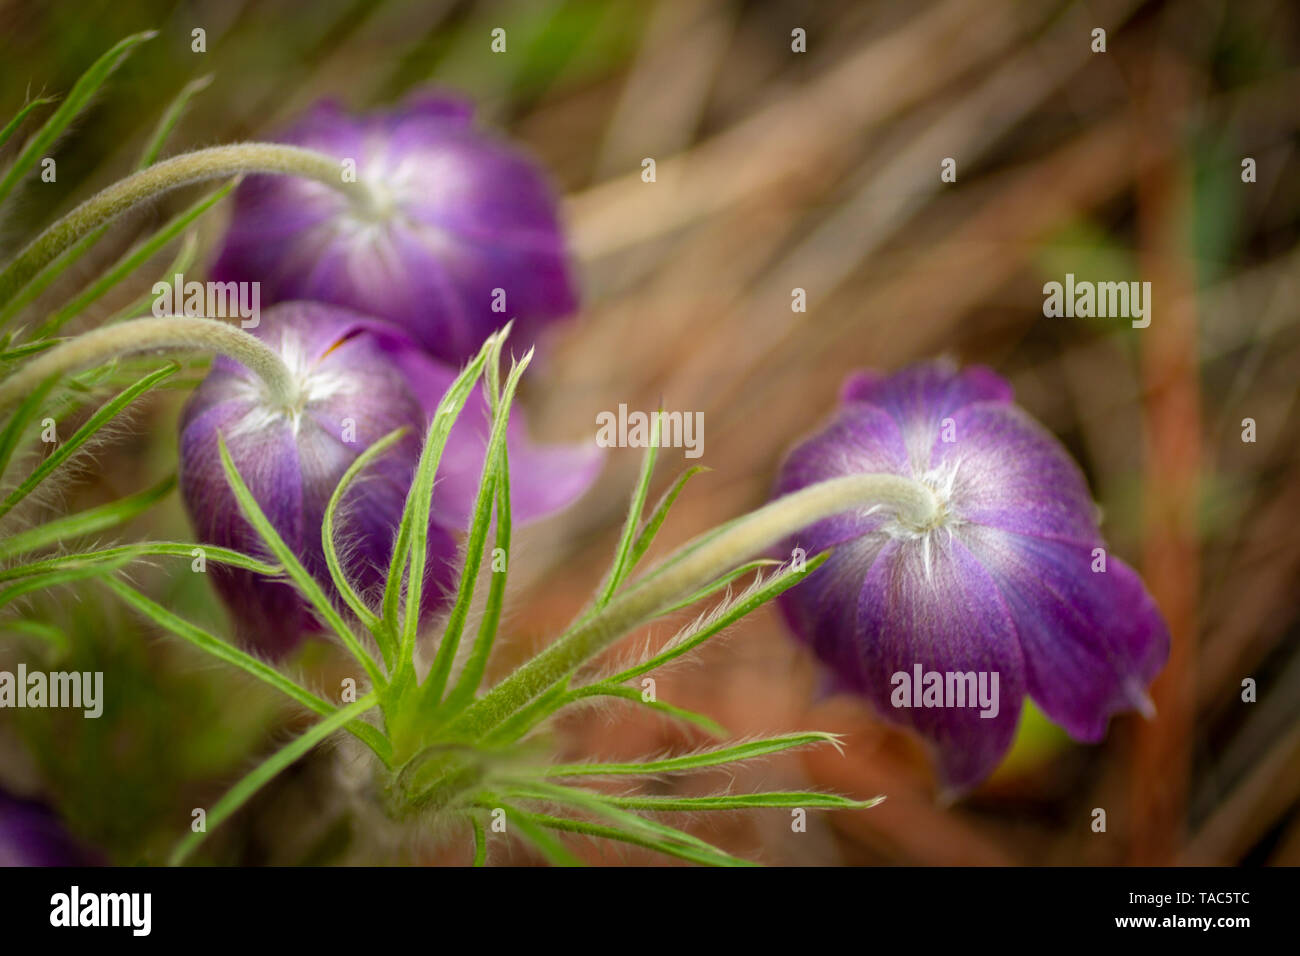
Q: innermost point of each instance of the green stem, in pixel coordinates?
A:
(692, 567)
(167, 334)
(201, 165)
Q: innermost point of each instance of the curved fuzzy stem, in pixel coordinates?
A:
(198, 166)
(167, 334)
(691, 568)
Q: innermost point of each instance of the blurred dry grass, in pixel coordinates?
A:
(821, 171)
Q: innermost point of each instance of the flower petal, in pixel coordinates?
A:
(1092, 640)
(920, 396)
(1007, 471)
(935, 607)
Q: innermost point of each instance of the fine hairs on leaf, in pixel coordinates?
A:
(409, 552)
(301, 577)
(83, 435)
(483, 508)
(371, 621)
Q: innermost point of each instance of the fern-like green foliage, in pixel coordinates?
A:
(442, 743)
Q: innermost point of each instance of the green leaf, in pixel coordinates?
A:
(267, 770)
(597, 803)
(86, 522)
(230, 654)
(528, 826)
(413, 533)
(300, 576)
(87, 431)
(144, 549)
(17, 121)
(171, 116)
(719, 620)
(51, 579)
(647, 535)
(483, 505)
(476, 665)
(681, 845)
(719, 583)
(743, 801)
(46, 276)
(77, 100)
(705, 723)
(30, 348)
(132, 260)
(622, 565)
(694, 761)
(22, 417)
(480, 842)
(367, 617)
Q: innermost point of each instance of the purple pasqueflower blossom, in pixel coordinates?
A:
(32, 835)
(458, 215)
(358, 379)
(1006, 581)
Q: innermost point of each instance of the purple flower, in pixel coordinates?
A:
(1007, 581)
(459, 216)
(358, 380)
(31, 835)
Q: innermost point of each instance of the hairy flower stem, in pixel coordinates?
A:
(198, 166)
(693, 567)
(167, 334)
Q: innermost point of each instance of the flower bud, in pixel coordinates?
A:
(356, 379)
(1008, 591)
(459, 234)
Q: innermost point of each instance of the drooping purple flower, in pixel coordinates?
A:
(459, 215)
(358, 379)
(32, 835)
(1012, 579)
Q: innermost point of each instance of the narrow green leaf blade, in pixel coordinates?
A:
(743, 801)
(657, 517)
(143, 549)
(717, 622)
(232, 655)
(12, 126)
(83, 91)
(476, 666)
(90, 521)
(413, 533)
(702, 721)
(716, 757)
(267, 770)
(300, 576)
(171, 116)
(493, 461)
(67, 449)
(636, 507)
(23, 415)
(383, 637)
